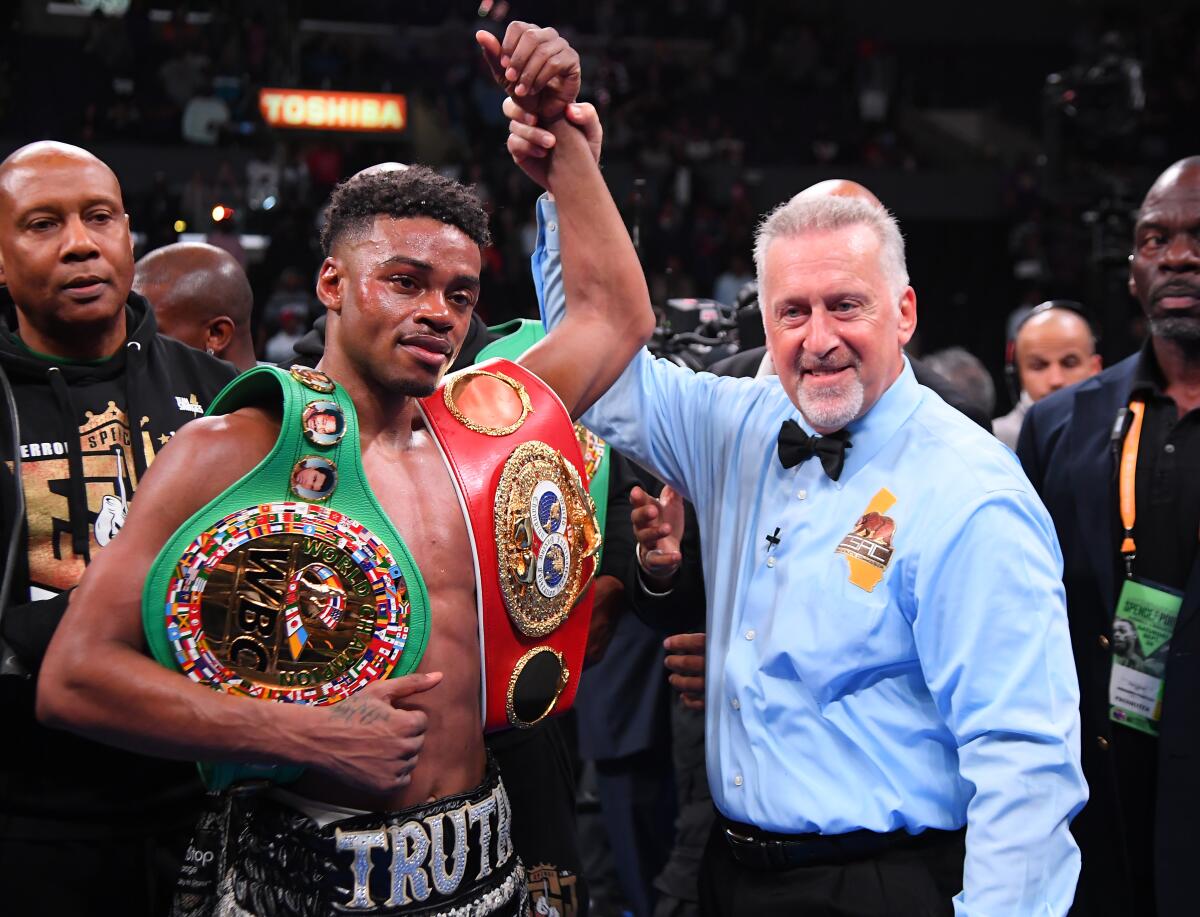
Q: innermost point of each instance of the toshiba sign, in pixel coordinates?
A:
(333, 111)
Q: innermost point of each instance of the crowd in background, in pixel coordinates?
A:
(736, 89)
(697, 98)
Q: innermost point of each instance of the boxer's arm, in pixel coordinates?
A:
(96, 680)
(609, 318)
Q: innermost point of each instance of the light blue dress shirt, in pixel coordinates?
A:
(946, 696)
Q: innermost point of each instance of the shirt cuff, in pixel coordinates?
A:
(547, 218)
(641, 577)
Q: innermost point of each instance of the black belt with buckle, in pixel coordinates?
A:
(767, 850)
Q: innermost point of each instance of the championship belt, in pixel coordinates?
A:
(517, 336)
(292, 585)
(515, 460)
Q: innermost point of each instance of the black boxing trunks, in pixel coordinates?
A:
(254, 854)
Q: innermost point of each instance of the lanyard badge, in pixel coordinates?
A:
(1145, 615)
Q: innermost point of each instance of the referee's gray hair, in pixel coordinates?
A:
(822, 212)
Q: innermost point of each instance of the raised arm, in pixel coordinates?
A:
(609, 318)
(96, 680)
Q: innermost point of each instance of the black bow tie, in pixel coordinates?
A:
(796, 446)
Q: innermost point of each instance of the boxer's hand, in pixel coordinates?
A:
(658, 528)
(686, 665)
(370, 740)
(530, 145)
(535, 66)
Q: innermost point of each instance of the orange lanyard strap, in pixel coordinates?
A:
(1127, 481)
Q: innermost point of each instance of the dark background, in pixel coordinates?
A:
(1013, 140)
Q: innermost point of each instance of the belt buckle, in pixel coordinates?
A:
(740, 838)
(751, 851)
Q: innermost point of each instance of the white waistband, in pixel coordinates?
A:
(323, 813)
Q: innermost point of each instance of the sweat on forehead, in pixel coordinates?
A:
(400, 193)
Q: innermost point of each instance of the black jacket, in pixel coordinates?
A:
(81, 462)
(1069, 453)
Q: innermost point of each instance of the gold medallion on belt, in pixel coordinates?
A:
(545, 531)
(287, 601)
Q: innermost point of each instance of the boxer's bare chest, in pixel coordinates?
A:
(415, 491)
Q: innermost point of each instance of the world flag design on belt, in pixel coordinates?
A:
(287, 601)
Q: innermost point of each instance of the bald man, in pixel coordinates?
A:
(84, 828)
(1115, 458)
(1054, 347)
(200, 296)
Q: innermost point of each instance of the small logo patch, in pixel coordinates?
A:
(868, 546)
(189, 404)
(552, 891)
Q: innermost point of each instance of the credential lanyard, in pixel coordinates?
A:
(1127, 483)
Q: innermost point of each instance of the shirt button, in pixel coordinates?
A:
(801, 494)
(1169, 448)
(735, 704)
(1104, 642)
(1102, 742)
(770, 561)
(750, 634)
(737, 779)
(553, 227)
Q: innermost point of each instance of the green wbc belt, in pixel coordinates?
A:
(292, 585)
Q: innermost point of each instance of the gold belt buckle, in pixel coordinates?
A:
(740, 838)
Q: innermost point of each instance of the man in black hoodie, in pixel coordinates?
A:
(98, 394)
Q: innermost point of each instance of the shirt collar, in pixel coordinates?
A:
(872, 431)
(1148, 378)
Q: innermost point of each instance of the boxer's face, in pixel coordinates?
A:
(835, 326)
(404, 294)
(1124, 637)
(65, 248)
(310, 479)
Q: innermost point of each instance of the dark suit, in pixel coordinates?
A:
(1069, 451)
(623, 711)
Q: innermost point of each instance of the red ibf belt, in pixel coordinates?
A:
(512, 451)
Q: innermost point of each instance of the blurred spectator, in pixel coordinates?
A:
(197, 201)
(293, 323)
(263, 178)
(201, 297)
(224, 235)
(967, 375)
(738, 272)
(156, 212)
(183, 76)
(1053, 347)
(292, 292)
(204, 118)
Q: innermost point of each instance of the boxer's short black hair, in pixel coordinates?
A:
(412, 192)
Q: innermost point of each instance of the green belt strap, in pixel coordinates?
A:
(270, 482)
